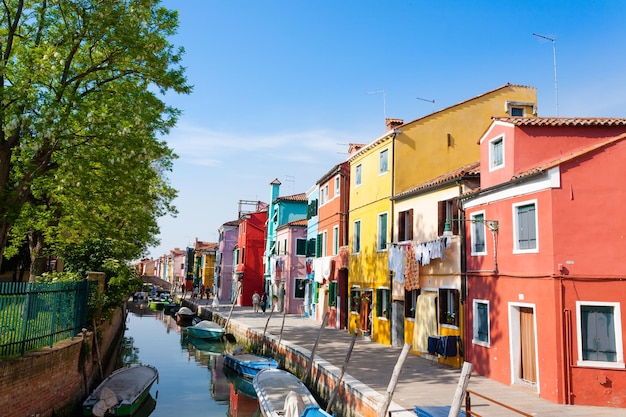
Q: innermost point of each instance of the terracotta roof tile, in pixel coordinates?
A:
(562, 121)
(295, 197)
(472, 169)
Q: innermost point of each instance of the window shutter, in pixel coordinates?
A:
(441, 213)
(401, 226)
(455, 211)
(410, 225)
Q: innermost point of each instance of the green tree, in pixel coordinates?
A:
(81, 83)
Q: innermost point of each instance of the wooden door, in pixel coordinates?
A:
(528, 365)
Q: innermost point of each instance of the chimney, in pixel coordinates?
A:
(393, 123)
(354, 148)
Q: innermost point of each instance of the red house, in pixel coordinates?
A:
(546, 238)
(248, 256)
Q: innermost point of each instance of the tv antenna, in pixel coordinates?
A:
(384, 100)
(430, 101)
(556, 86)
(292, 180)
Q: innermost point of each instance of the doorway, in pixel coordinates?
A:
(523, 341)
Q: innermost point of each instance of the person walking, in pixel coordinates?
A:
(201, 291)
(263, 301)
(255, 302)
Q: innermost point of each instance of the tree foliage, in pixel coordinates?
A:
(81, 114)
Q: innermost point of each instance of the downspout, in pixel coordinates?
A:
(463, 245)
(391, 217)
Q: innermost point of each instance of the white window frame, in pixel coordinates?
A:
(335, 240)
(383, 170)
(619, 348)
(358, 175)
(475, 339)
(337, 185)
(379, 235)
(492, 154)
(476, 226)
(356, 240)
(515, 207)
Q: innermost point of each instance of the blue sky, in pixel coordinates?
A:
(281, 87)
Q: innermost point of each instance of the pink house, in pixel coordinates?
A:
(545, 242)
(290, 261)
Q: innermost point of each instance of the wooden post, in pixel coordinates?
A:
(319, 336)
(282, 326)
(233, 305)
(343, 371)
(382, 412)
(457, 401)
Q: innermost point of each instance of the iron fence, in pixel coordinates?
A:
(37, 314)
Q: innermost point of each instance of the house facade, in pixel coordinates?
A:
(223, 275)
(290, 274)
(310, 293)
(330, 273)
(247, 256)
(369, 222)
(545, 278)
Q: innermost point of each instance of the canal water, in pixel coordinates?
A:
(192, 379)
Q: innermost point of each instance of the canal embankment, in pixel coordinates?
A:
(54, 381)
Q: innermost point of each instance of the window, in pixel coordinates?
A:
(357, 175)
(405, 225)
(517, 111)
(410, 303)
(311, 209)
(481, 323)
(337, 187)
(449, 306)
(383, 304)
(381, 242)
(311, 247)
(299, 288)
(285, 247)
(301, 245)
(478, 233)
(383, 161)
(319, 246)
(332, 294)
(599, 331)
(447, 211)
(335, 240)
(243, 255)
(525, 227)
(356, 243)
(324, 242)
(496, 153)
(355, 300)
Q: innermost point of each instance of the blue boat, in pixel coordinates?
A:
(247, 364)
(282, 394)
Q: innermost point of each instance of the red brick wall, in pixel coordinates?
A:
(54, 380)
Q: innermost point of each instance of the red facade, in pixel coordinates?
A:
(249, 250)
(547, 288)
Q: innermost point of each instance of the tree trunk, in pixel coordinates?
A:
(36, 244)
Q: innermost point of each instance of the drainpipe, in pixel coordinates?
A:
(391, 217)
(463, 248)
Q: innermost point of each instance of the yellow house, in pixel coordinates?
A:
(369, 225)
(436, 160)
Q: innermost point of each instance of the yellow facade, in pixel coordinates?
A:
(369, 205)
(445, 140)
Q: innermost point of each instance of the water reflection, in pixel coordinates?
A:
(192, 378)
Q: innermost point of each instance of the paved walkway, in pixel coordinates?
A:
(421, 382)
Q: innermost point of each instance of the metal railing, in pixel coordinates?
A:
(35, 314)
(468, 405)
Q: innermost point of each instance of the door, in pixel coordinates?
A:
(528, 368)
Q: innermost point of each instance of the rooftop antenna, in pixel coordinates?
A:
(384, 100)
(430, 101)
(556, 87)
(292, 180)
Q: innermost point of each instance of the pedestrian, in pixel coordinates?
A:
(255, 302)
(182, 288)
(208, 293)
(201, 291)
(216, 303)
(263, 301)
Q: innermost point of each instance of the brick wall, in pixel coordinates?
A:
(54, 381)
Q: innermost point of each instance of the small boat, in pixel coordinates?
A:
(206, 330)
(122, 393)
(184, 316)
(282, 394)
(156, 305)
(247, 364)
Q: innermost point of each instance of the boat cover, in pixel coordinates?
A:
(107, 399)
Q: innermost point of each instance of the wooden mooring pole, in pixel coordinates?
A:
(382, 412)
(319, 336)
(343, 371)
